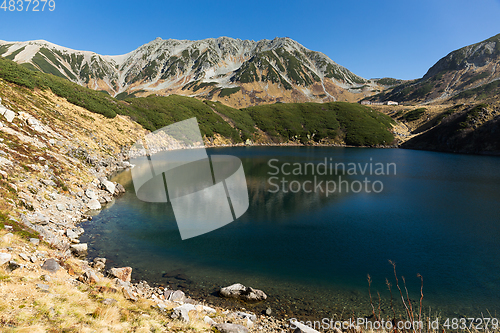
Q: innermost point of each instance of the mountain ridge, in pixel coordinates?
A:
(453, 77)
(265, 71)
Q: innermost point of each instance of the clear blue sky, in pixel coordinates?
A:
(399, 39)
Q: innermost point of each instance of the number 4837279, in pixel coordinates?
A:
(28, 5)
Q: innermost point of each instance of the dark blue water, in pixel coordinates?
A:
(437, 215)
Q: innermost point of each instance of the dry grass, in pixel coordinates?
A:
(70, 308)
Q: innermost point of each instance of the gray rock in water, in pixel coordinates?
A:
(231, 328)
(268, 311)
(94, 204)
(51, 265)
(296, 327)
(5, 258)
(79, 250)
(241, 292)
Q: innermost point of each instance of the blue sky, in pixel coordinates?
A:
(399, 39)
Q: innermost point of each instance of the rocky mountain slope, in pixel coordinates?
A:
(237, 72)
(472, 72)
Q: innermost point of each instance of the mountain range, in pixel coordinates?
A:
(242, 73)
(236, 72)
(466, 74)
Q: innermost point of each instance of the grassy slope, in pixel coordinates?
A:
(352, 124)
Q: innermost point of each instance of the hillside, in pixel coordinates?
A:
(307, 123)
(239, 73)
(467, 74)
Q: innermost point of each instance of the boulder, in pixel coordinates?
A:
(177, 296)
(231, 328)
(9, 115)
(181, 313)
(4, 161)
(245, 315)
(99, 263)
(13, 265)
(209, 321)
(71, 234)
(129, 294)
(94, 204)
(60, 207)
(5, 258)
(48, 182)
(90, 277)
(108, 186)
(43, 287)
(90, 194)
(79, 250)
(119, 188)
(241, 292)
(51, 265)
(35, 241)
(123, 273)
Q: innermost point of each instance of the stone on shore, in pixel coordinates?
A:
(5, 258)
(177, 296)
(108, 186)
(94, 204)
(241, 292)
(123, 273)
(51, 265)
(79, 250)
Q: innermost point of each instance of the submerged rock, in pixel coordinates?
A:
(241, 292)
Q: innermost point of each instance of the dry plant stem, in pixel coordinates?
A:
(370, 293)
(379, 312)
(400, 292)
(421, 298)
(408, 298)
(392, 304)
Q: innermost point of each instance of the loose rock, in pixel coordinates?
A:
(123, 273)
(51, 265)
(241, 292)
